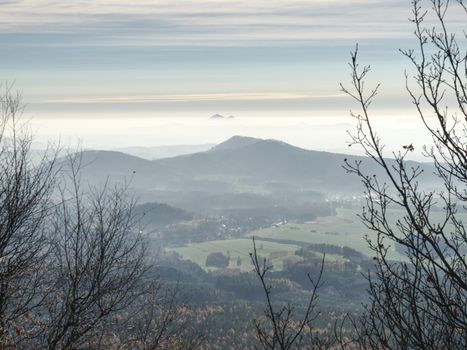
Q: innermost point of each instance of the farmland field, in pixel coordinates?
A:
(279, 243)
(343, 229)
(275, 252)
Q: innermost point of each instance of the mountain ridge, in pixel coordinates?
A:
(235, 165)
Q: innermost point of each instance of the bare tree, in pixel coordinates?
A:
(25, 201)
(157, 321)
(72, 257)
(279, 327)
(96, 262)
(420, 302)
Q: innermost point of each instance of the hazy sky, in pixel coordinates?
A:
(103, 67)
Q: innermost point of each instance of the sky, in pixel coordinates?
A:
(116, 73)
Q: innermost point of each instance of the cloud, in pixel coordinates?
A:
(210, 22)
(219, 97)
(59, 49)
(183, 22)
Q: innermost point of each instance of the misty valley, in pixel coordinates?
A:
(229, 175)
(200, 212)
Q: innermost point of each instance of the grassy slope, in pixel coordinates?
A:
(198, 252)
(344, 229)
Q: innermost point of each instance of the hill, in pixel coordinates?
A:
(239, 165)
(158, 152)
(235, 142)
(155, 215)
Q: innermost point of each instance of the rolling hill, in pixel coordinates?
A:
(238, 165)
(159, 152)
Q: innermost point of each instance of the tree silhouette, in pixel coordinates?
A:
(279, 327)
(26, 190)
(420, 302)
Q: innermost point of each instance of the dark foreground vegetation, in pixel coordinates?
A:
(85, 267)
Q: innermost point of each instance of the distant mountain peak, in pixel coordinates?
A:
(217, 116)
(236, 142)
(221, 117)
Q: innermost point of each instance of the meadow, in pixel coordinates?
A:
(343, 229)
(276, 252)
(279, 242)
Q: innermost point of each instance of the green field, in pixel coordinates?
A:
(279, 243)
(276, 253)
(344, 229)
